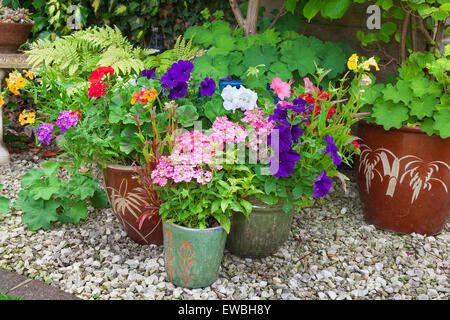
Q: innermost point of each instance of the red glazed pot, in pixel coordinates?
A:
(127, 204)
(403, 178)
(13, 35)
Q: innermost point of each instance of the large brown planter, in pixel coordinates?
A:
(13, 35)
(403, 179)
(127, 204)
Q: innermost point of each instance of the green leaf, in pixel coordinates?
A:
(389, 114)
(311, 9)
(297, 192)
(424, 106)
(30, 177)
(99, 199)
(50, 168)
(186, 115)
(82, 187)
(442, 120)
(290, 5)
(76, 212)
(247, 205)
(4, 204)
(287, 204)
(269, 186)
(335, 9)
(45, 189)
(37, 214)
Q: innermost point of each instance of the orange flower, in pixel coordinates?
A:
(135, 97)
(13, 89)
(22, 117)
(2, 102)
(28, 74)
(150, 95)
(21, 82)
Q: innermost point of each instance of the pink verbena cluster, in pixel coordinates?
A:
(225, 131)
(66, 120)
(260, 129)
(193, 157)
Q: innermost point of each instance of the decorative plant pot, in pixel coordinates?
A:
(263, 234)
(127, 204)
(13, 35)
(404, 179)
(193, 256)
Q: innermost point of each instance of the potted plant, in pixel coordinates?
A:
(308, 133)
(15, 27)
(404, 166)
(200, 189)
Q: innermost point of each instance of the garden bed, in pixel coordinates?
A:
(331, 253)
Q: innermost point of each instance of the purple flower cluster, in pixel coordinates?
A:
(332, 150)
(66, 119)
(149, 73)
(176, 78)
(287, 135)
(207, 87)
(45, 133)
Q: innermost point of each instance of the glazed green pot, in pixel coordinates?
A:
(193, 256)
(262, 234)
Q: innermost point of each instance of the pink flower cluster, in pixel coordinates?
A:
(262, 128)
(225, 131)
(193, 157)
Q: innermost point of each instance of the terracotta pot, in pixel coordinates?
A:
(403, 179)
(127, 204)
(13, 35)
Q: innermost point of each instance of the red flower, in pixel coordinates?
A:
(97, 74)
(356, 144)
(96, 90)
(76, 112)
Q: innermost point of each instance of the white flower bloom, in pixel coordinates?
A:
(243, 98)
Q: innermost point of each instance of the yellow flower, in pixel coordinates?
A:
(14, 75)
(2, 102)
(22, 119)
(373, 63)
(31, 117)
(28, 74)
(21, 82)
(150, 95)
(352, 62)
(13, 89)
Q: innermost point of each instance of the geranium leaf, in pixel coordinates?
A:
(389, 114)
(442, 120)
(37, 214)
(44, 189)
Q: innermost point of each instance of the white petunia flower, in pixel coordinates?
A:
(243, 98)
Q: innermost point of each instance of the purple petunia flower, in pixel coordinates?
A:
(179, 91)
(170, 79)
(332, 150)
(322, 185)
(286, 163)
(45, 132)
(66, 119)
(207, 87)
(298, 105)
(279, 114)
(149, 73)
(183, 69)
(296, 132)
(284, 142)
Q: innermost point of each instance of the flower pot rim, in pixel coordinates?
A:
(119, 166)
(17, 23)
(403, 128)
(213, 229)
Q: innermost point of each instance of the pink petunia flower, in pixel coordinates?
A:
(282, 89)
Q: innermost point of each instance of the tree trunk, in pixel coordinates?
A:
(250, 22)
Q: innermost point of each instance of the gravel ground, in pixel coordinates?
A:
(331, 253)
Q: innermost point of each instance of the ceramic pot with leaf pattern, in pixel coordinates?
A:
(403, 178)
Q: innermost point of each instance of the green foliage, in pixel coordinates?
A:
(286, 55)
(75, 56)
(4, 202)
(193, 205)
(420, 96)
(45, 198)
